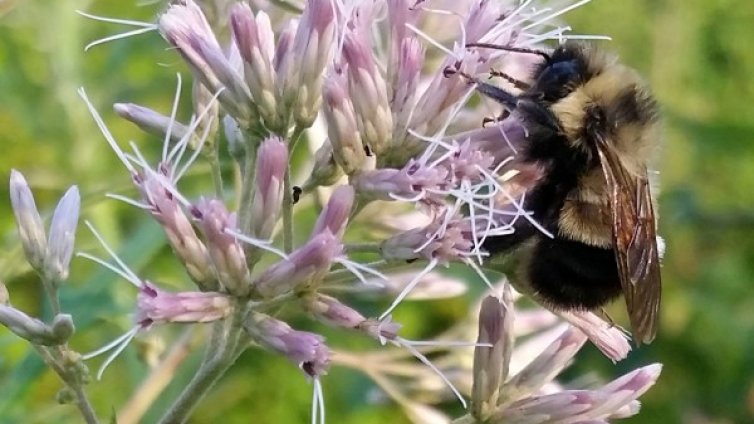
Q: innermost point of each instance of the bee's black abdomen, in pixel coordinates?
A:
(568, 274)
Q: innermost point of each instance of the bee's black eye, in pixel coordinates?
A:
(557, 79)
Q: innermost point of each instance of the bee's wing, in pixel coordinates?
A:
(635, 240)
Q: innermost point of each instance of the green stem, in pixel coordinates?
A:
(288, 193)
(214, 162)
(247, 189)
(52, 294)
(219, 357)
(362, 247)
(287, 212)
(54, 361)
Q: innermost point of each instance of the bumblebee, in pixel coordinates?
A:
(592, 126)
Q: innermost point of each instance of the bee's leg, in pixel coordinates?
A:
(602, 313)
(516, 82)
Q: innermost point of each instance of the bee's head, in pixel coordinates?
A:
(559, 74)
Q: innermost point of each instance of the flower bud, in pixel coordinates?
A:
(331, 311)
(255, 40)
(62, 236)
(368, 94)
(156, 306)
(342, 128)
(28, 221)
(226, 252)
(184, 26)
(491, 362)
(34, 330)
(272, 161)
(307, 350)
(301, 70)
(306, 266)
(150, 121)
(325, 171)
(165, 208)
(334, 216)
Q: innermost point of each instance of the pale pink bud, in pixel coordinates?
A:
(400, 13)
(255, 40)
(284, 46)
(608, 338)
(150, 121)
(272, 161)
(62, 236)
(305, 349)
(331, 311)
(441, 241)
(491, 362)
(302, 69)
(165, 208)
(546, 366)
(413, 181)
(334, 216)
(405, 83)
(29, 223)
(617, 398)
(34, 330)
(368, 93)
(325, 171)
(226, 252)
(342, 128)
(305, 267)
(156, 306)
(184, 26)
(381, 330)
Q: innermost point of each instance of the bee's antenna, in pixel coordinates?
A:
(511, 49)
(495, 93)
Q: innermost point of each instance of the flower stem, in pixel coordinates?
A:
(158, 379)
(288, 194)
(217, 360)
(247, 188)
(214, 162)
(55, 361)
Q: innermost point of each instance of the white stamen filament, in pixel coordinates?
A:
(133, 277)
(173, 113)
(410, 286)
(106, 132)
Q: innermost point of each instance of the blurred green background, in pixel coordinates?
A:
(697, 55)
